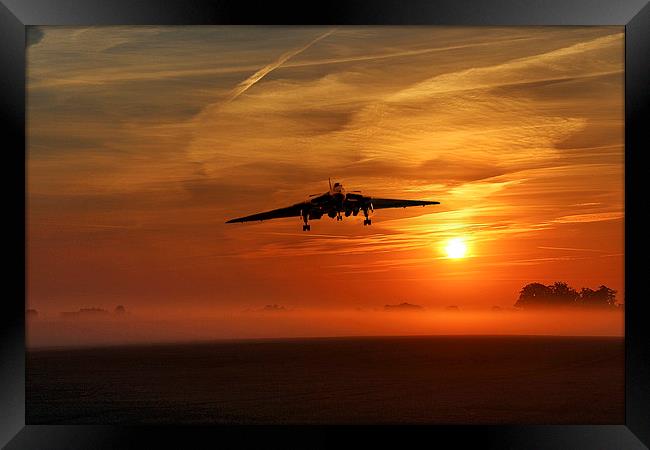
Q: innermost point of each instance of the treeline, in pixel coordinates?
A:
(561, 294)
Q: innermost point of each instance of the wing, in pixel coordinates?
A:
(289, 211)
(383, 203)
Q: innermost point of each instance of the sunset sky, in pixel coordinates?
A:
(143, 141)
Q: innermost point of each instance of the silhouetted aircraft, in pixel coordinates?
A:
(334, 203)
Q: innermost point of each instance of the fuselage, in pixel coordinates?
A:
(337, 201)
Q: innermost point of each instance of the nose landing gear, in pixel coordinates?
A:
(305, 218)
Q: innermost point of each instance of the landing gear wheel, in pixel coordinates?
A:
(306, 227)
(367, 222)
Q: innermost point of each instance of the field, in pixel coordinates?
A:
(426, 380)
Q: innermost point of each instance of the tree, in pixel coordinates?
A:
(563, 294)
(534, 294)
(602, 297)
(607, 295)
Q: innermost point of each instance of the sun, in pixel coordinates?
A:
(456, 248)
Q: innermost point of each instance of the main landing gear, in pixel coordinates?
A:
(305, 218)
(306, 227)
(367, 220)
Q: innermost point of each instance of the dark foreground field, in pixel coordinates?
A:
(486, 380)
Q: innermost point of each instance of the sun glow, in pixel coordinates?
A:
(456, 248)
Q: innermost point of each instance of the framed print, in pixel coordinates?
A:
(275, 224)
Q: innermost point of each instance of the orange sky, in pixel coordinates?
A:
(142, 141)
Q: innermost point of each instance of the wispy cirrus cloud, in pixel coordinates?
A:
(594, 217)
(264, 71)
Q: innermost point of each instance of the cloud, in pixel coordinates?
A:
(571, 249)
(136, 157)
(594, 217)
(264, 71)
(546, 66)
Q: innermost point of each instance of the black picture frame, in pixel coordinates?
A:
(15, 15)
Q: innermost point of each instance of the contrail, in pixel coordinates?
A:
(257, 76)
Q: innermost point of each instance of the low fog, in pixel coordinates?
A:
(278, 321)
